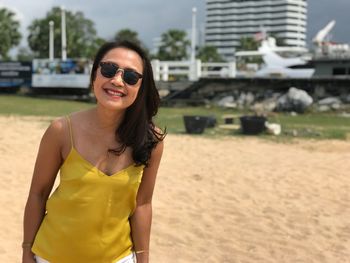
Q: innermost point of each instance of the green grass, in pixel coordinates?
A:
(21, 105)
(309, 125)
(314, 125)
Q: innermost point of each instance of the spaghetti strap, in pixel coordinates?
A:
(70, 131)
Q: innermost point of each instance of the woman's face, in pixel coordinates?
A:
(113, 92)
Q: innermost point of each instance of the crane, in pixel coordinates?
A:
(323, 33)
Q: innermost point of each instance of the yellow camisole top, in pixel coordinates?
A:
(87, 216)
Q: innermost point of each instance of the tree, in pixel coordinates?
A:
(209, 54)
(129, 35)
(9, 32)
(248, 43)
(174, 45)
(24, 54)
(81, 35)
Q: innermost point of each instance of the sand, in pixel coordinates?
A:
(216, 200)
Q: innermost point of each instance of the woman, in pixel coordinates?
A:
(108, 158)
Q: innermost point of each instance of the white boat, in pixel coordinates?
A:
(294, 63)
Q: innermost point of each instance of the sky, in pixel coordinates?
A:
(150, 18)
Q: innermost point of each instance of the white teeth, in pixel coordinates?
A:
(114, 93)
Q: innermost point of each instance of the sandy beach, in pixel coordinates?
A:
(216, 199)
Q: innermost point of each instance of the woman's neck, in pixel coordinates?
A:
(107, 120)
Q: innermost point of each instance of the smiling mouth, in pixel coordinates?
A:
(114, 93)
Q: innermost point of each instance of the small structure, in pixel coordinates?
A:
(332, 67)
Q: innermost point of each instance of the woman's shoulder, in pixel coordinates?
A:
(160, 136)
(61, 124)
(159, 133)
(80, 116)
(58, 124)
(54, 132)
(57, 128)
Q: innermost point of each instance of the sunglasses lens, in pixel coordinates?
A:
(130, 77)
(108, 70)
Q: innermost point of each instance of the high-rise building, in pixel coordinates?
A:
(227, 21)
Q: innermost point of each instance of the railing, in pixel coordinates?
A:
(332, 56)
(195, 70)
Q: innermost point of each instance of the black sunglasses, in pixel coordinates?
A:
(109, 69)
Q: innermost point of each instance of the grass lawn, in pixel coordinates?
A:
(21, 105)
(310, 125)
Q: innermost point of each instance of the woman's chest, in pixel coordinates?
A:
(105, 154)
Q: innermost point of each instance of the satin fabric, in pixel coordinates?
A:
(87, 216)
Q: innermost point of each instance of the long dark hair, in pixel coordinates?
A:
(137, 130)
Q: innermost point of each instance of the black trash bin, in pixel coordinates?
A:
(252, 125)
(195, 124)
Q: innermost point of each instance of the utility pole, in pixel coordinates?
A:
(193, 64)
(63, 31)
(51, 42)
(193, 40)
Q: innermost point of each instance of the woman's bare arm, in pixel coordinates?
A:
(47, 164)
(142, 218)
